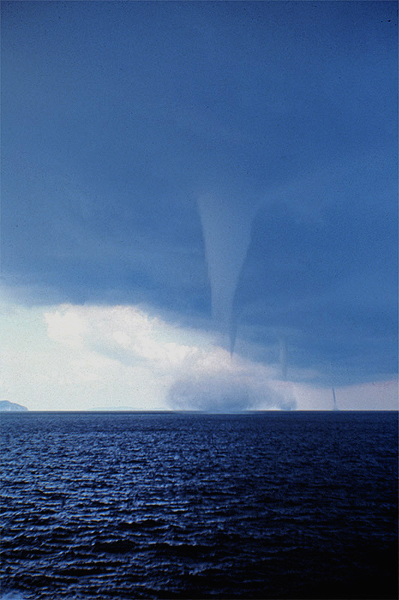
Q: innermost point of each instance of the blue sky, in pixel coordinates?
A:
(227, 167)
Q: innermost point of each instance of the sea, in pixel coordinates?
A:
(265, 505)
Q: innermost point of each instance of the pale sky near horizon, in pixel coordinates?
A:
(175, 174)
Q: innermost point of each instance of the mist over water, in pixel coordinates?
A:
(230, 391)
(212, 394)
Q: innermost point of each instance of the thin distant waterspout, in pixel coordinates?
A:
(283, 358)
(334, 400)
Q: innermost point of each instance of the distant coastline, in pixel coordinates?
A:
(112, 409)
(6, 406)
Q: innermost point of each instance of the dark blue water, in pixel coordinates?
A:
(274, 505)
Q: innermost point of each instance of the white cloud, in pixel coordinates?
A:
(66, 326)
(70, 357)
(122, 339)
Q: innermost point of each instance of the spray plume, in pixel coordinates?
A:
(227, 234)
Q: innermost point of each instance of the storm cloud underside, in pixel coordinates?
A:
(147, 145)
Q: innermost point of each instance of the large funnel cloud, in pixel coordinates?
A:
(226, 227)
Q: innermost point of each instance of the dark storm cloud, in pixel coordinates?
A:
(120, 118)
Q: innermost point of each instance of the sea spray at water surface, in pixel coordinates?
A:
(216, 381)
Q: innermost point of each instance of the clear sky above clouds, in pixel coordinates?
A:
(203, 167)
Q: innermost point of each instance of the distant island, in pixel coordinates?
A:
(113, 409)
(6, 406)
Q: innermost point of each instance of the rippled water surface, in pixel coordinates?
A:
(125, 505)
